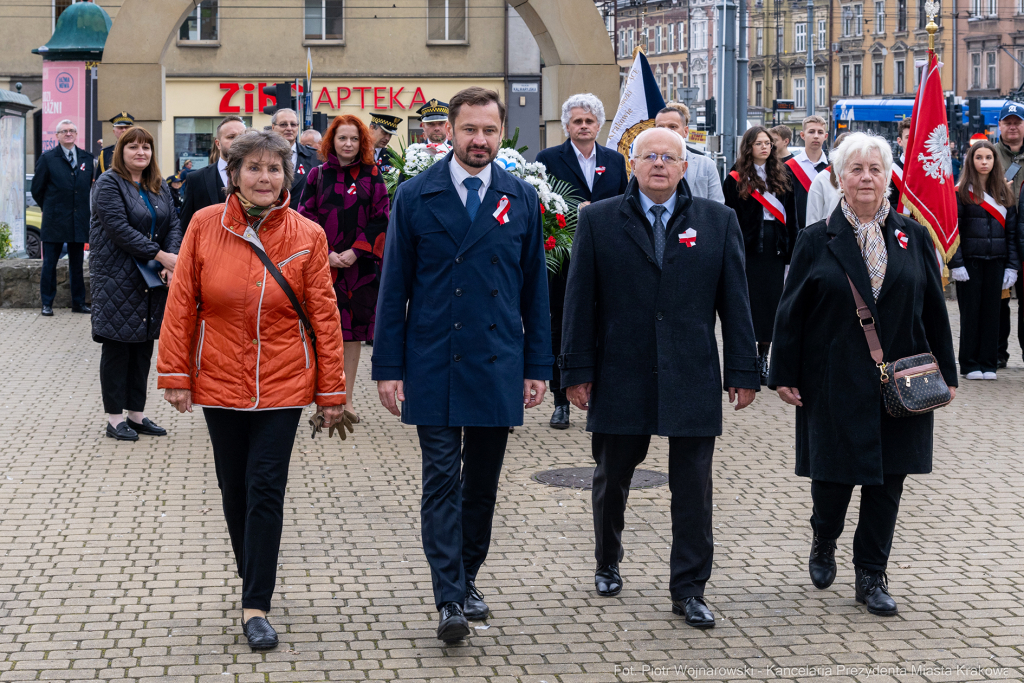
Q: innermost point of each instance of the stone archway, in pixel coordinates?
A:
(573, 40)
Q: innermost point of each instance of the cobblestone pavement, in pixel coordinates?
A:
(116, 564)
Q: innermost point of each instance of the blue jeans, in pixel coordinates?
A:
(48, 278)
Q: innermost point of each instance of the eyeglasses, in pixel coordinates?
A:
(667, 159)
(764, 144)
(67, 131)
(287, 125)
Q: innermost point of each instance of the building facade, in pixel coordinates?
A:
(983, 28)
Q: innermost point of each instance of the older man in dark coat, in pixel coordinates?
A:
(649, 272)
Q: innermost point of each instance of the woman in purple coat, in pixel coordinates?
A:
(347, 196)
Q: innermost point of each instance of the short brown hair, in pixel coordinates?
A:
(814, 118)
(474, 97)
(903, 125)
(259, 142)
(784, 132)
(151, 178)
(680, 109)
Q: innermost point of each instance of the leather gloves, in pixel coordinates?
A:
(1009, 278)
(347, 420)
(960, 275)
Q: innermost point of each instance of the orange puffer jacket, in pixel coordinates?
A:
(230, 333)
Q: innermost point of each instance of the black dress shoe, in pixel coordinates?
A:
(475, 609)
(607, 580)
(873, 591)
(260, 634)
(147, 427)
(122, 432)
(47, 310)
(84, 308)
(822, 563)
(695, 610)
(1002, 363)
(453, 626)
(560, 418)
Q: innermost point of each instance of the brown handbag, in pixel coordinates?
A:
(911, 385)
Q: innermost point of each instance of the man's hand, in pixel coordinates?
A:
(388, 389)
(790, 395)
(742, 397)
(348, 258)
(579, 395)
(533, 392)
(180, 399)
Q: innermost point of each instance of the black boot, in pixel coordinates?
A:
(873, 591)
(822, 563)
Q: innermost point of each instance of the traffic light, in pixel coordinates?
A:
(709, 116)
(320, 122)
(282, 94)
(975, 121)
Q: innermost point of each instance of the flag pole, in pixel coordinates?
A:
(931, 9)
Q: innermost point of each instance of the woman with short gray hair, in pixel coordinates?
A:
(822, 364)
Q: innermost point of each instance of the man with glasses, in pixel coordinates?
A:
(642, 359)
(61, 185)
(285, 123)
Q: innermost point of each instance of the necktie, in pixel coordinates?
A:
(659, 231)
(71, 159)
(472, 196)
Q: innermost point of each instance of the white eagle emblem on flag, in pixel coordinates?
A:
(937, 163)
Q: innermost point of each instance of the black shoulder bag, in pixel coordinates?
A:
(272, 269)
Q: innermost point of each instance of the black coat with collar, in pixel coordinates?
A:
(645, 335)
(63, 194)
(306, 159)
(843, 433)
(203, 188)
(751, 217)
(800, 193)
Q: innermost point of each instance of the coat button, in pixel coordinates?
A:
(494, 259)
(659, 315)
(494, 326)
(255, 342)
(252, 399)
(494, 292)
(458, 292)
(458, 326)
(458, 259)
(259, 283)
(494, 358)
(457, 358)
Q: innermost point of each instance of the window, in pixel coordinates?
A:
(993, 8)
(193, 139)
(700, 34)
(1020, 69)
(847, 22)
(632, 41)
(879, 16)
(821, 91)
(823, 35)
(758, 94)
(682, 34)
(846, 80)
(975, 8)
(857, 79)
(922, 18)
(671, 38)
(975, 69)
(799, 93)
(878, 78)
(990, 69)
(858, 19)
(324, 20)
(901, 15)
(446, 21)
(58, 8)
(659, 34)
(800, 37)
(760, 41)
(201, 23)
(901, 76)
(1020, 6)
(650, 39)
(622, 44)
(664, 88)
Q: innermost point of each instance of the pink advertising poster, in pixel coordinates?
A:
(64, 85)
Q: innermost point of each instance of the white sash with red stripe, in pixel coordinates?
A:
(989, 203)
(801, 174)
(769, 201)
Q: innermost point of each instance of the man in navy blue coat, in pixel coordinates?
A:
(595, 172)
(463, 339)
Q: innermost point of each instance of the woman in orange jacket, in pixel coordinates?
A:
(233, 343)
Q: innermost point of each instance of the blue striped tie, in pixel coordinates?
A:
(473, 196)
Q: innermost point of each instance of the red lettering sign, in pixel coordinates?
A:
(362, 94)
(383, 97)
(417, 98)
(348, 91)
(394, 98)
(324, 95)
(225, 102)
(248, 87)
(378, 97)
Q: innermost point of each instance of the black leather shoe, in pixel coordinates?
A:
(560, 418)
(47, 310)
(260, 634)
(695, 610)
(1002, 362)
(822, 563)
(873, 592)
(122, 433)
(607, 580)
(475, 609)
(147, 427)
(84, 308)
(453, 626)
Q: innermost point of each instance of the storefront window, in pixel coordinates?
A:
(201, 23)
(193, 139)
(324, 20)
(446, 20)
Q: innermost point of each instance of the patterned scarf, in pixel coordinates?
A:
(872, 243)
(254, 214)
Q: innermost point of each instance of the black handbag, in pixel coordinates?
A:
(150, 271)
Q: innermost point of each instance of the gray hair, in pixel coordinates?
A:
(285, 110)
(638, 142)
(585, 101)
(226, 120)
(862, 144)
(317, 137)
(66, 121)
(257, 143)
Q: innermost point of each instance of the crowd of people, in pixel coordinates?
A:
(266, 270)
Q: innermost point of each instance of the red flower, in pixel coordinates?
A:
(549, 244)
(542, 209)
(561, 220)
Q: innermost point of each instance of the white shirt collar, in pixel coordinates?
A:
(670, 206)
(803, 158)
(761, 171)
(222, 164)
(579, 154)
(459, 174)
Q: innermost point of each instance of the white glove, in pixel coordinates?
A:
(959, 275)
(1009, 278)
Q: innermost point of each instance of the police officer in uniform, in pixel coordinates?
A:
(433, 116)
(121, 123)
(382, 127)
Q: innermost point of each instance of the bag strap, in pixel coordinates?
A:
(867, 323)
(272, 269)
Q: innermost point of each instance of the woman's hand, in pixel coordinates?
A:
(332, 414)
(334, 260)
(167, 260)
(348, 258)
(790, 395)
(165, 275)
(180, 399)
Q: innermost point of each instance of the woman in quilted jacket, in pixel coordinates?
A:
(133, 220)
(347, 196)
(234, 344)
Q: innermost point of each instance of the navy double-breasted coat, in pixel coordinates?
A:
(63, 194)
(463, 321)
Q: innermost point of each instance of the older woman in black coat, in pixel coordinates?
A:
(821, 362)
(133, 221)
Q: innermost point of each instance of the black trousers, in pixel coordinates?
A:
(879, 505)
(556, 348)
(1004, 319)
(978, 301)
(251, 451)
(48, 278)
(124, 374)
(461, 468)
(689, 479)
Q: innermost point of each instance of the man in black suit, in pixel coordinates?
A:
(595, 172)
(121, 122)
(61, 187)
(640, 355)
(285, 122)
(896, 186)
(205, 187)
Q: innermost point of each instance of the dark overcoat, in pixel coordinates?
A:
(644, 334)
(750, 214)
(305, 161)
(843, 432)
(463, 322)
(202, 189)
(63, 194)
(123, 308)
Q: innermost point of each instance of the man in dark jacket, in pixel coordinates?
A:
(595, 172)
(1010, 148)
(61, 186)
(650, 270)
(205, 187)
(285, 123)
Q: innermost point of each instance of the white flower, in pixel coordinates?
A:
(512, 161)
(418, 159)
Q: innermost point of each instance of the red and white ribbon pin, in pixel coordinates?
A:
(301, 170)
(901, 237)
(501, 213)
(599, 170)
(82, 167)
(351, 189)
(689, 238)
